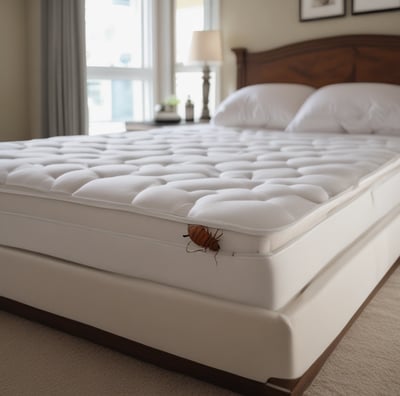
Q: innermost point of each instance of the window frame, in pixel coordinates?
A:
(211, 22)
(143, 73)
(159, 67)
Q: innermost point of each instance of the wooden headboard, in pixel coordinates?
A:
(352, 58)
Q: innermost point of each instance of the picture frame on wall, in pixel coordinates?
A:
(369, 6)
(312, 10)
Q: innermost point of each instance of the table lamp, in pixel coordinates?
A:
(206, 47)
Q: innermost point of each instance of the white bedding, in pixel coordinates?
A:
(121, 203)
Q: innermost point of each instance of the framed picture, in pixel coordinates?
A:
(311, 10)
(368, 6)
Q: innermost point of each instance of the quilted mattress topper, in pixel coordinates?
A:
(249, 181)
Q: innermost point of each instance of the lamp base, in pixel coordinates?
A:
(205, 112)
(205, 117)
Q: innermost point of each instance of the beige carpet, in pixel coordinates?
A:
(35, 360)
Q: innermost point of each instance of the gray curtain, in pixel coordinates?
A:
(64, 67)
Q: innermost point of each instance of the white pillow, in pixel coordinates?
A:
(350, 108)
(270, 106)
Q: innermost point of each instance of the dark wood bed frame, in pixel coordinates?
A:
(373, 58)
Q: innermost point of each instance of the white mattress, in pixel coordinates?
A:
(287, 204)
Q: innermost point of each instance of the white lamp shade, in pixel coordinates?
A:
(206, 46)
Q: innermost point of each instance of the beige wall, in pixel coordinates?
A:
(263, 24)
(14, 122)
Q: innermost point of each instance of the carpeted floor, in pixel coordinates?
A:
(35, 360)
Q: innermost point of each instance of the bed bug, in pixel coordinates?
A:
(203, 237)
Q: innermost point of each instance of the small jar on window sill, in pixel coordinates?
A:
(189, 110)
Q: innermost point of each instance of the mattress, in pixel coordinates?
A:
(285, 204)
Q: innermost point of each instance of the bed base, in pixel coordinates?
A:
(227, 344)
(274, 387)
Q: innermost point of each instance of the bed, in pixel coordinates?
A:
(95, 235)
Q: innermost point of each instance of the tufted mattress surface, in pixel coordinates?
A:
(274, 195)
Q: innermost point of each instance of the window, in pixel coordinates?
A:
(129, 47)
(121, 2)
(191, 15)
(118, 52)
